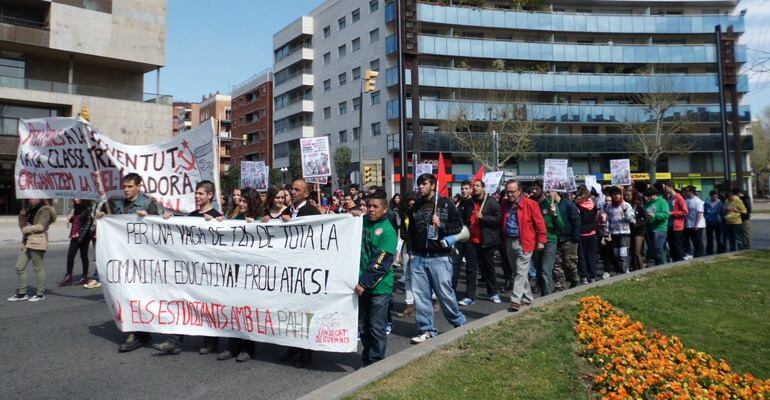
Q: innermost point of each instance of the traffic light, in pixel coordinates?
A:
(368, 174)
(84, 113)
(369, 80)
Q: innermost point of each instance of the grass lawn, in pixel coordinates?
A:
(722, 308)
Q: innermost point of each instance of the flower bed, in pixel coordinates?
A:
(635, 363)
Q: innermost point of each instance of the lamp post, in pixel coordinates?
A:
(495, 149)
(283, 174)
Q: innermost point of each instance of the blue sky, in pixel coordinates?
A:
(215, 44)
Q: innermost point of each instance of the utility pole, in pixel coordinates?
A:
(728, 81)
(403, 184)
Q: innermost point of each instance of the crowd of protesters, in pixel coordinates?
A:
(543, 241)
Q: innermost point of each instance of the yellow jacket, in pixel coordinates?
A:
(733, 210)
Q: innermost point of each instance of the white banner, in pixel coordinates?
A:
(69, 158)
(555, 176)
(315, 157)
(571, 183)
(492, 181)
(254, 174)
(290, 284)
(620, 170)
(425, 168)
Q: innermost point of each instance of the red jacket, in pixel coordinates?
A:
(531, 223)
(678, 212)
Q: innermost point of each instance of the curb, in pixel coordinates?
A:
(350, 383)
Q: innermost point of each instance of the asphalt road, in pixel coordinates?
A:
(66, 347)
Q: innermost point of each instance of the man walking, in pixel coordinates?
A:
(545, 259)
(375, 279)
(465, 208)
(566, 269)
(694, 223)
(133, 202)
(483, 221)
(524, 230)
(432, 219)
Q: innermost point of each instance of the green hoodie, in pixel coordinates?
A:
(658, 222)
(554, 224)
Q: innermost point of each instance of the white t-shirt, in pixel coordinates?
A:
(694, 207)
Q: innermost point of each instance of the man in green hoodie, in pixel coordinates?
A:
(657, 225)
(546, 258)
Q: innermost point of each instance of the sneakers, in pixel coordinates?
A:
(36, 298)
(421, 338)
(132, 343)
(388, 328)
(167, 347)
(18, 297)
(243, 356)
(83, 280)
(496, 299)
(513, 307)
(687, 257)
(225, 355)
(466, 302)
(606, 275)
(584, 281)
(66, 281)
(93, 284)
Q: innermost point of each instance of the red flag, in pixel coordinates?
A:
(442, 186)
(479, 175)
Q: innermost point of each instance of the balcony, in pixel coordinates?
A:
(300, 54)
(568, 22)
(569, 113)
(300, 131)
(293, 108)
(562, 82)
(77, 89)
(572, 52)
(303, 79)
(570, 144)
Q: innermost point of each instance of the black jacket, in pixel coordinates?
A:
(571, 217)
(420, 217)
(303, 211)
(491, 218)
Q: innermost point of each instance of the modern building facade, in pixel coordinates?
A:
(219, 107)
(252, 124)
(580, 71)
(57, 55)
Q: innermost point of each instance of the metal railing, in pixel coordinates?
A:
(83, 90)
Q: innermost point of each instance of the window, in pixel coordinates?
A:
(375, 97)
(374, 35)
(391, 44)
(327, 112)
(342, 78)
(342, 51)
(327, 31)
(356, 14)
(375, 129)
(356, 131)
(327, 58)
(343, 107)
(356, 73)
(341, 23)
(356, 103)
(375, 65)
(343, 136)
(281, 150)
(374, 5)
(356, 44)
(327, 85)
(590, 130)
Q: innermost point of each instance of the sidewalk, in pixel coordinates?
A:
(11, 236)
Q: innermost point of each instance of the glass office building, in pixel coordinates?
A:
(580, 70)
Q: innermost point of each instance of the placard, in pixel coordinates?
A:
(621, 172)
(315, 157)
(555, 176)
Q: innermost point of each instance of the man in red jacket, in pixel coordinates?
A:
(678, 206)
(524, 231)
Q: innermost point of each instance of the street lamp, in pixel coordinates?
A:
(495, 149)
(283, 173)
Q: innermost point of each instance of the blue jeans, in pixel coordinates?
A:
(434, 273)
(372, 316)
(656, 241)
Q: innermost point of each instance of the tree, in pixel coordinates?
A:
(760, 155)
(276, 177)
(342, 157)
(295, 164)
(510, 119)
(661, 132)
(232, 178)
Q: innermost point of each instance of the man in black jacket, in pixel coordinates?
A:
(432, 219)
(464, 207)
(565, 272)
(483, 219)
(300, 207)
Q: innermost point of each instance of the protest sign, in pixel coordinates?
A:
(69, 158)
(555, 176)
(621, 172)
(254, 174)
(290, 283)
(492, 181)
(571, 183)
(315, 157)
(321, 180)
(425, 168)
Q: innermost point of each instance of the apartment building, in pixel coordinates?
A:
(577, 70)
(186, 116)
(319, 61)
(252, 124)
(219, 107)
(57, 55)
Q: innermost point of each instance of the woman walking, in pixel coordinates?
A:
(34, 221)
(81, 232)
